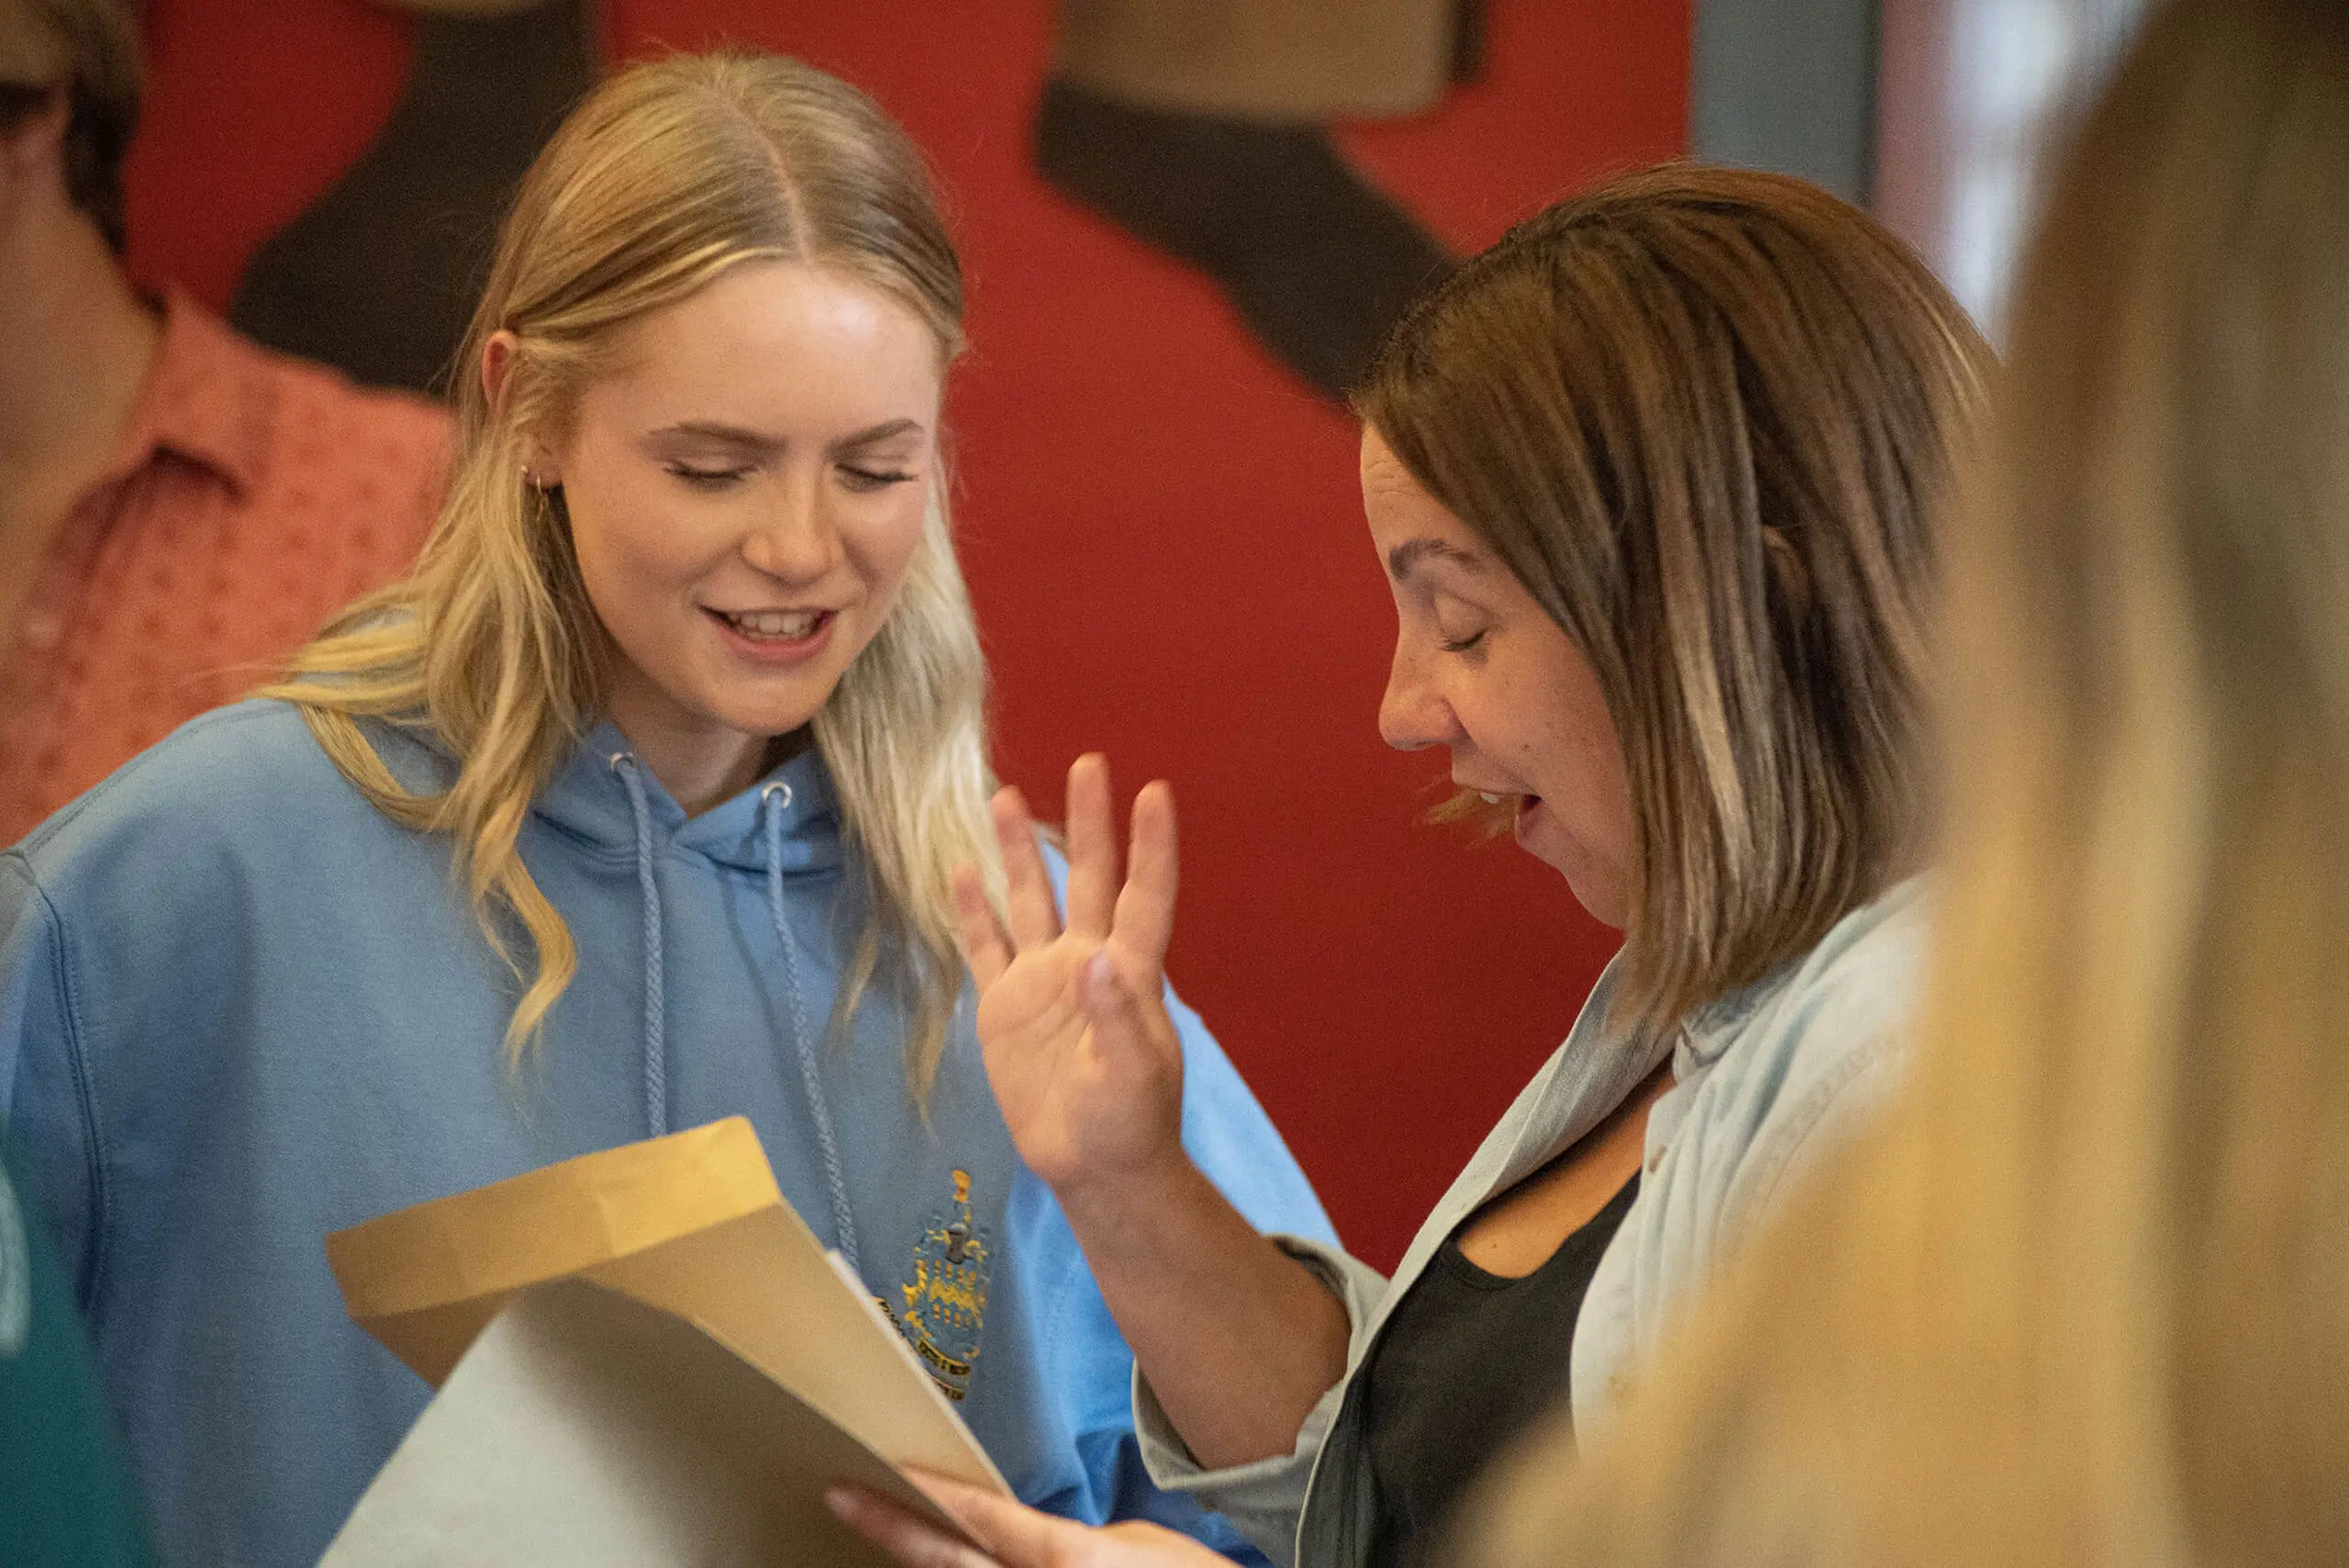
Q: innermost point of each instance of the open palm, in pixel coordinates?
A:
(1084, 1060)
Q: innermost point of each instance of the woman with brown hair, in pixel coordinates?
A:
(2083, 1297)
(1651, 481)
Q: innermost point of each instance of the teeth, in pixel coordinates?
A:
(782, 625)
(1488, 799)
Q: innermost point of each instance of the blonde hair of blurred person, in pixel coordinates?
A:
(2084, 1300)
(672, 175)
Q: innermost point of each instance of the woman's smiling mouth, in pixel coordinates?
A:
(774, 639)
(776, 625)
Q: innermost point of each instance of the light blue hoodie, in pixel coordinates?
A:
(240, 1008)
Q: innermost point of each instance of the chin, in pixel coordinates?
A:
(772, 725)
(769, 709)
(1600, 892)
(1607, 912)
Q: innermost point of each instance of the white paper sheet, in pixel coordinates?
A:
(586, 1429)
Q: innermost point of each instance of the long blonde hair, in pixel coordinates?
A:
(666, 176)
(2084, 1300)
(1704, 416)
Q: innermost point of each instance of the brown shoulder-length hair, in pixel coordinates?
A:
(1706, 417)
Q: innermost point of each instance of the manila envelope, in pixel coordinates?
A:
(692, 1224)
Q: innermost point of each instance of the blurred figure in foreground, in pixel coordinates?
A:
(2084, 1300)
(68, 1493)
(179, 508)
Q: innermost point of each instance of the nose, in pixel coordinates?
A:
(1413, 715)
(795, 539)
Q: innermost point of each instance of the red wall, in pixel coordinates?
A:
(1161, 527)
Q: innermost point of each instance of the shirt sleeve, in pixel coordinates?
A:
(1265, 1497)
(1089, 1371)
(1233, 1143)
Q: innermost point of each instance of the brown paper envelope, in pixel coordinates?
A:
(692, 1224)
(481, 1246)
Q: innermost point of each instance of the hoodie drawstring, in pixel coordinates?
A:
(773, 801)
(656, 1033)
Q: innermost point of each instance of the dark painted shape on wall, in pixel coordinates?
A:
(380, 276)
(1318, 262)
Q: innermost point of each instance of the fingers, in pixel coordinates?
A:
(1016, 1535)
(915, 1542)
(1028, 902)
(1145, 917)
(986, 947)
(1138, 919)
(1092, 848)
(1141, 1544)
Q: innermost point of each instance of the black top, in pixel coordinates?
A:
(1466, 1363)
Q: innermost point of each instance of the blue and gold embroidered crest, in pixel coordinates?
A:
(945, 1302)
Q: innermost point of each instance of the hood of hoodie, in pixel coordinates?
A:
(609, 805)
(588, 799)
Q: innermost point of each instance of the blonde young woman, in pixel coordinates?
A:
(635, 807)
(1651, 481)
(2085, 1299)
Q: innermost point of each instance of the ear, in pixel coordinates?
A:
(498, 357)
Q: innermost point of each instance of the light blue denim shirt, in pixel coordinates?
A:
(1765, 1081)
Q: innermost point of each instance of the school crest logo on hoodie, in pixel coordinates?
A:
(945, 1307)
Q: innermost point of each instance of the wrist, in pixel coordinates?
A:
(1134, 1198)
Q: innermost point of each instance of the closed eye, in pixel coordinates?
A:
(873, 478)
(706, 478)
(1466, 644)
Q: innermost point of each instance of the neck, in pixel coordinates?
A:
(698, 762)
(75, 345)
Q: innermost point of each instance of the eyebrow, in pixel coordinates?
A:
(759, 441)
(1406, 557)
(874, 434)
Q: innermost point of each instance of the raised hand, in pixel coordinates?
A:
(1085, 1061)
(1239, 1339)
